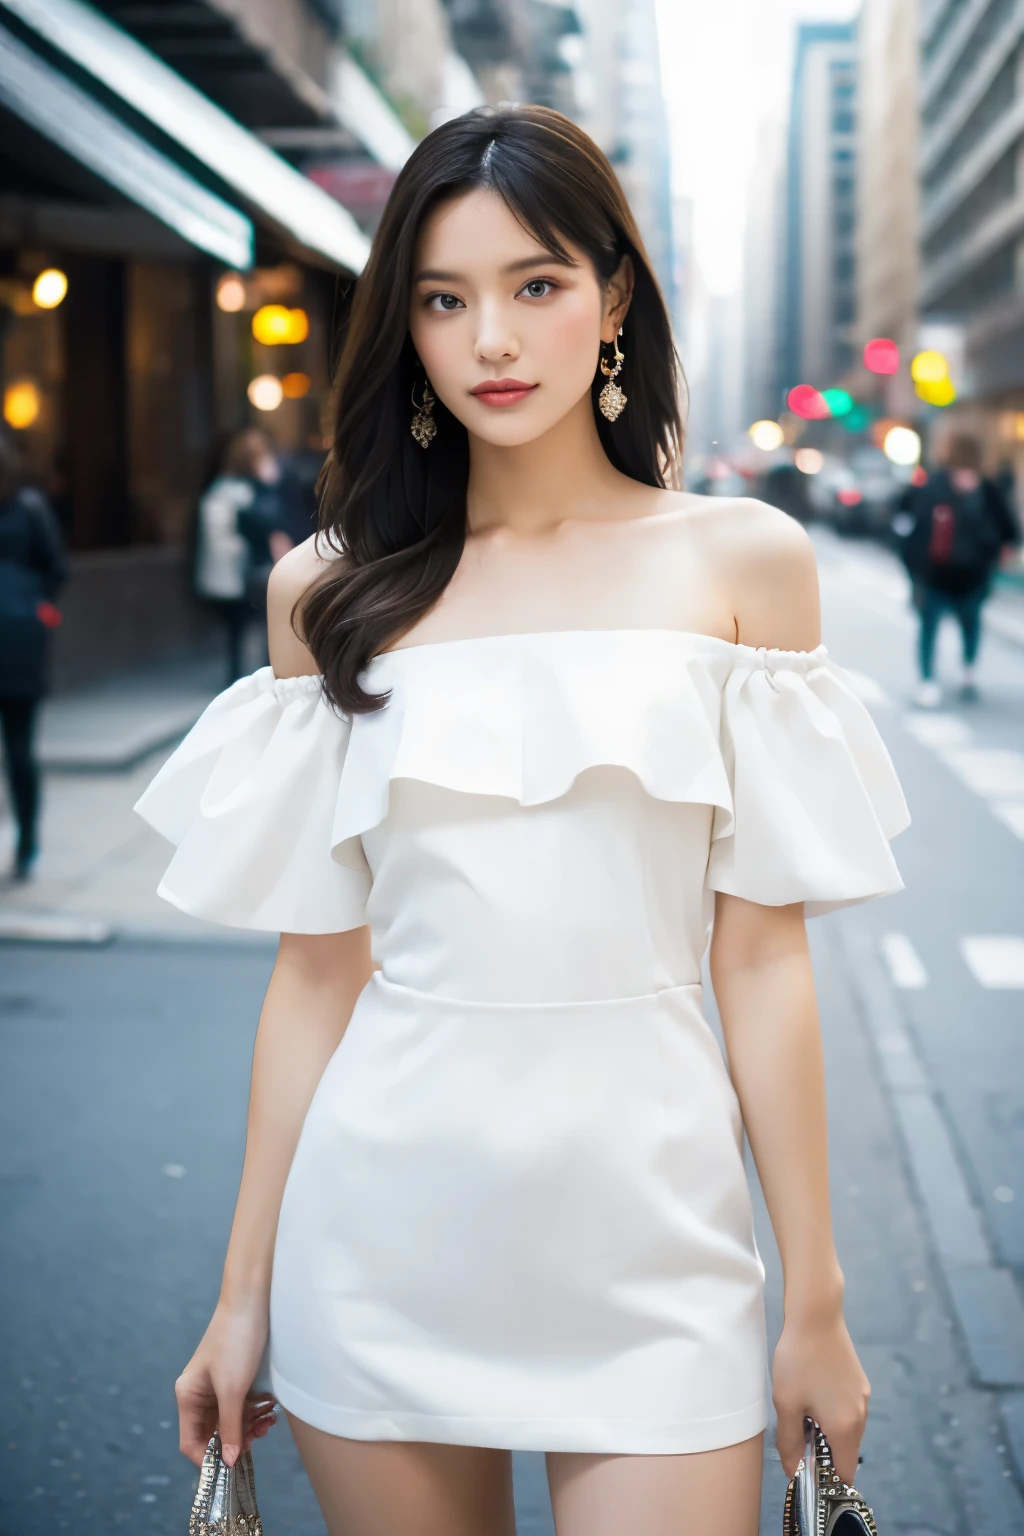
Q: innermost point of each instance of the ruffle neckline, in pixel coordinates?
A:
(776, 742)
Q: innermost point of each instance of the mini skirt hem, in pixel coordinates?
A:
(609, 1437)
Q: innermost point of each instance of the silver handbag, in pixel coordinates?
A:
(225, 1501)
(818, 1502)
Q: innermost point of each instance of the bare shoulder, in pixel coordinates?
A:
(290, 580)
(765, 565)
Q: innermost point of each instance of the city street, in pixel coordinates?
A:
(123, 1104)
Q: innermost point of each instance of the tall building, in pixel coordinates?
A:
(972, 206)
(764, 263)
(820, 267)
(886, 193)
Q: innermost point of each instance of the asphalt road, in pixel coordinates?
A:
(122, 1102)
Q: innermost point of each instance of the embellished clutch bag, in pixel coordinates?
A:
(225, 1501)
(818, 1502)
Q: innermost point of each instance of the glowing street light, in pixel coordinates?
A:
(839, 401)
(902, 445)
(766, 435)
(296, 385)
(881, 355)
(22, 404)
(231, 293)
(940, 392)
(809, 461)
(50, 288)
(265, 392)
(805, 401)
(275, 326)
(929, 368)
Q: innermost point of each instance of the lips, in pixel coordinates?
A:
(502, 391)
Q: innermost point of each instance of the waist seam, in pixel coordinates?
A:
(380, 981)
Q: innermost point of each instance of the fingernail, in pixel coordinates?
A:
(229, 1455)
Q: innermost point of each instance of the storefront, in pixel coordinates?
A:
(149, 246)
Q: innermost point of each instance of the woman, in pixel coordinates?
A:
(33, 568)
(567, 715)
(240, 535)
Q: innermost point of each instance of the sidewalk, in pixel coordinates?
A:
(100, 864)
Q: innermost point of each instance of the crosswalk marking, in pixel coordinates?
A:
(905, 965)
(996, 960)
(939, 731)
(1011, 814)
(995, 773)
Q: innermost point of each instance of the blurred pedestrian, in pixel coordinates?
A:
(241, 533)
(954, 529)
(33, 567)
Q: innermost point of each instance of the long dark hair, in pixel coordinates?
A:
(397, 514)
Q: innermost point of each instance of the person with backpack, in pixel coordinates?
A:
(954, 528)
(33, 567)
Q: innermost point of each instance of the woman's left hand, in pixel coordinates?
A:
(816, 1371)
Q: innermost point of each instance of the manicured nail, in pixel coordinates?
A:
(229, 1455)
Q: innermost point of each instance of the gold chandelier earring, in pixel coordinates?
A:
(423, 426)
(611, 400)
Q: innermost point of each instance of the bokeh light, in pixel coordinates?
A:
(50, 288)
(265, 392)
(929, 368)
(296, 385)
(22, 404)
(881, 355)
(809, 461)
(804, 400)
(275, 326)
(231, 293)
(937, 392)
(858, 419)
(839, 401)
(902, 446)
(766, 435)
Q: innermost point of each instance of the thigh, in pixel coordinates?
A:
(400, 1488)
(712, 1491)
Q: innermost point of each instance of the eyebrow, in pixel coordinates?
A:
(433, 275)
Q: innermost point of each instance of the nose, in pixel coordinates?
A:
(496, 340)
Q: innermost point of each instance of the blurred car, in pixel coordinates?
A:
(856, 497)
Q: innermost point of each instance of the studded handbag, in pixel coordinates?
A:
(818, 1502)
(225, 1501)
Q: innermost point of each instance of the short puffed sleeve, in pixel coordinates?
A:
(249, 797)
(815, 797)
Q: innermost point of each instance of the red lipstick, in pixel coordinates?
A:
(502, 391)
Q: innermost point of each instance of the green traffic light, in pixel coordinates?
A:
(838, 401)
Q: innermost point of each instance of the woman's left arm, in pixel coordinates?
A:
(761, 971)
(761, 968)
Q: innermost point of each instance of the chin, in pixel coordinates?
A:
(511, 427)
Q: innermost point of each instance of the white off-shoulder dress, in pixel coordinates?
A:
(517, 1215)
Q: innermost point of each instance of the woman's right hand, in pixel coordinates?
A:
(214, 1389)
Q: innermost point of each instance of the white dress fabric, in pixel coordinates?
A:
(517, 1215)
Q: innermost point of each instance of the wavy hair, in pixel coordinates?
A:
(397, 514)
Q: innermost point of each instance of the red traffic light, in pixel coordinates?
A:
(881, 355)
(804, 400)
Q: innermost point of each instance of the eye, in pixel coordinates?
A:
(445, 302)
(538, 288)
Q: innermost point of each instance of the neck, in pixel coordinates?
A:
(534, 487)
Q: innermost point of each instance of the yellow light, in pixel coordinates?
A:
(766, 435)
(296, 385)
(941, 392)
(265, 392)
(298, 326)
(22, 404)
(902, 446)
(929, 368)
(275, 326)
(809, 461)
(50, 288)
(231, 293)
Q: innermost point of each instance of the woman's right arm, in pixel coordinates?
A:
(313, 989)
